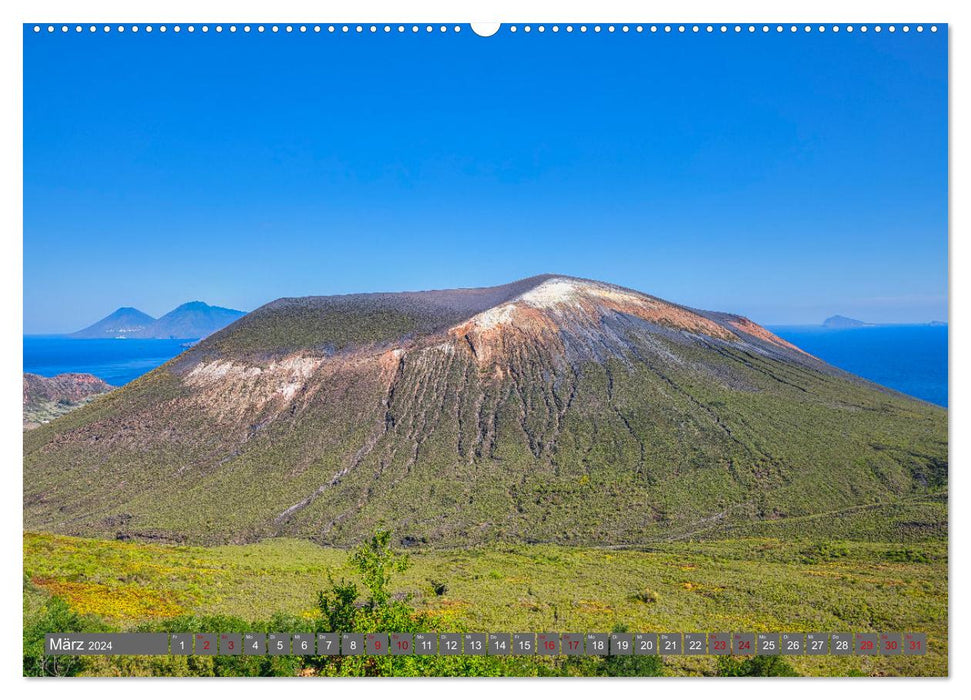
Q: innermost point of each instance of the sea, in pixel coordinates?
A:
(114, 360)
(910, 359)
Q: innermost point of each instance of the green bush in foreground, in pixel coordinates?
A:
(754, 666)
(376, 562)
(341, 610)
(55, 616)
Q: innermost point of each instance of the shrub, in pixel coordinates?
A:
(729, 666)
(647, 596)
(54, 616)
(824, 551)
(376, 562)
(908, 555)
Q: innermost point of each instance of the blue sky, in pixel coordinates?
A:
(785, 177)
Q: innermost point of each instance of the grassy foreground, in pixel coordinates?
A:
(743, 584)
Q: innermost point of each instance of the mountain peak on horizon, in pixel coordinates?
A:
(123, 322)
(191, 320)
(194, 319)
(200, 306)
(549, 308)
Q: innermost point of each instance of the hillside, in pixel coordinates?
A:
(549, 410)
(45, 398)
(126, 322)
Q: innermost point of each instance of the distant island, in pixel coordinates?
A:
(193, 320)
(844, 322)
(122, 323)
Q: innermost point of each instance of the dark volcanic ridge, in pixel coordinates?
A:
(550, 409)
(329, 324)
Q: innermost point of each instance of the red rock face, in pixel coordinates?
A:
(555, 323)
(742, 324)
(578, 307)
(63, 387)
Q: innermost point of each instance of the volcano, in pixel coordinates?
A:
(552, 409)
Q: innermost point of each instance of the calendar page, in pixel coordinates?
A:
(519, 349)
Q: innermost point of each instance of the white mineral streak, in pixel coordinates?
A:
(496, 316)
(555, 293)
(252, 386)
(210, 372)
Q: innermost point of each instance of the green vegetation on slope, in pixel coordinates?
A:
(329, 329)
(334, 323)
(614, 454)
(733, 585)
(338, 609)
(585, 415)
